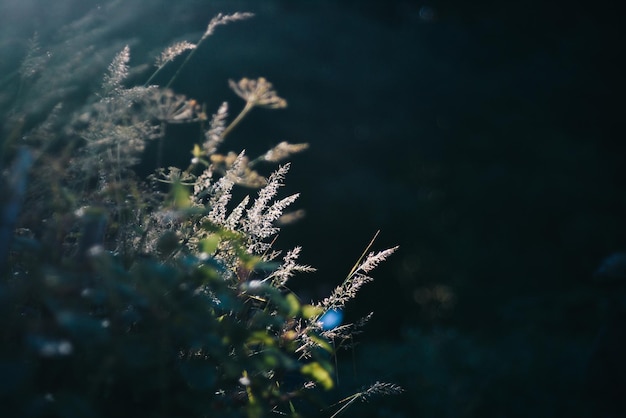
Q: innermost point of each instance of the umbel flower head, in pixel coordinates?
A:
(258, 92)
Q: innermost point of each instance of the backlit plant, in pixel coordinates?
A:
(157, 297)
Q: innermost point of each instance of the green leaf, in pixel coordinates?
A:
(260, 337)
(209, 244)
(322, 342)
(310, 311)
(319, 374)
(180, 196)
(294, 304)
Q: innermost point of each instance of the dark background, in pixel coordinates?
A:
(486, 139)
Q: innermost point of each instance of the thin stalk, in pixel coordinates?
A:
(248, 107)
(356, 265)
(154, 74)
(193, 51)
(350, 400)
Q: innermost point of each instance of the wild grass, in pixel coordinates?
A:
(166, 275)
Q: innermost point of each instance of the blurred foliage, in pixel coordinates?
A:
(159, 339)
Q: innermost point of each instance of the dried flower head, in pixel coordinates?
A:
(118, 71)
(284, 150)
(258, 92)
(222, 19)
(172, 52)
(214, 135)
(35, 60)
(167, 106)
(381, 388)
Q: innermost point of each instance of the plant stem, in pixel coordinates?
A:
(356, 265)
(158, 70)
(249, 105)
(193, 51)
